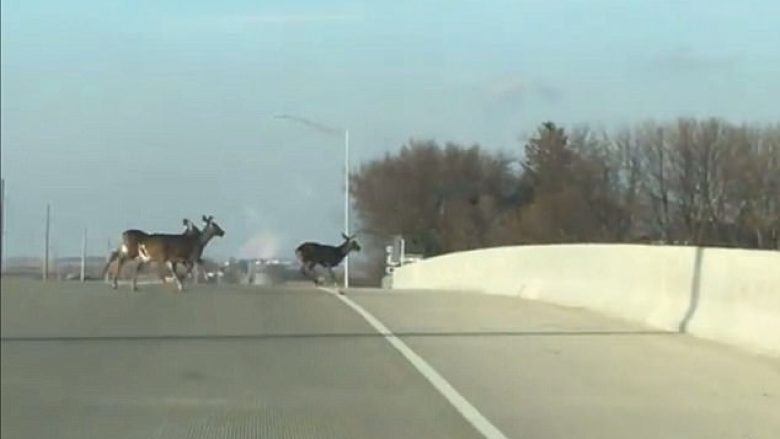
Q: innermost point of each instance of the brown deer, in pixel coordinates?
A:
(311, 254)
(192, 230)
(186, 248)
(167, 249)
(129, 248)
(197, 257)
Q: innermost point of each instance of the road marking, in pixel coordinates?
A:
(465, 408)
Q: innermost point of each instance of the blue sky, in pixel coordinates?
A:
(137, 113)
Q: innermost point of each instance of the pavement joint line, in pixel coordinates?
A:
(461, 404)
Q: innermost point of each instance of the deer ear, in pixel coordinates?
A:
(343, 235)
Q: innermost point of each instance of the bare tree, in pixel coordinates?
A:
(651, 140)
(703, 182)
(754, 189)
(440, 198)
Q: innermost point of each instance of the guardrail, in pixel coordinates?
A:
(728, 295)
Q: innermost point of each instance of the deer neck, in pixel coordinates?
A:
(206, 236)
(344, 249)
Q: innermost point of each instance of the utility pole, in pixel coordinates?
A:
(346, 203)
(46, 245)
(84, 255)
(2, 224)
(344, 134)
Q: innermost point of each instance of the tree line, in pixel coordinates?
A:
(692, 182)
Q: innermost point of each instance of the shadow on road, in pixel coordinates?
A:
(177, 337)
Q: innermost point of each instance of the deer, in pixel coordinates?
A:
(129, 248)
(192, 230)
(167, 249)
(197, 257)
(311, 254)
(189, 227)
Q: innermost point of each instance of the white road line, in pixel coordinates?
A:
(465, 408)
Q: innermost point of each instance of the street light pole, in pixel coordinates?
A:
(332, 131)
(346, 203)
(46, 244)
(2, 225)
(83, 273)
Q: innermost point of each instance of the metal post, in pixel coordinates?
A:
(2, 224)
(84, 256)
(46, 245)
(346, 203)
(334, 132)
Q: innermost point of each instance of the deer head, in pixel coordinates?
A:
(192, 229)
(212, 228)
(350, 243)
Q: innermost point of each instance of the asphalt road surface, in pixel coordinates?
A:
(84, 361)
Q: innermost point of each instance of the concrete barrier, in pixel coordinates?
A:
(728, 295)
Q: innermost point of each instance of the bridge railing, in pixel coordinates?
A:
(729, 295)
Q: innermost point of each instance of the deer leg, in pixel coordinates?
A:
(190, 272)
(138, 267)
(114, 255)
(161, 274)
(306, 271)
(172, 267)
(198, 267)
(332, 275)
(312, 273)
(175, 268)
(187, 268)
(120, 261)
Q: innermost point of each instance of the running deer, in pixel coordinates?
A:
(197, 257)
(169, 249)
(192, 230)
(311, 254)
(130, 240)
